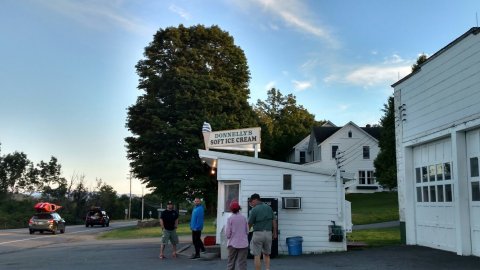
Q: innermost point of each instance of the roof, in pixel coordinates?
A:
(322, 133)
(473, 30)
(211, 157)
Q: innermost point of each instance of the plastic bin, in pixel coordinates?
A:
(294, 245)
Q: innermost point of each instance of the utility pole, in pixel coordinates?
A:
(130, 201)
(142, 203)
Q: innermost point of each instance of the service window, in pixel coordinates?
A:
(232, 193)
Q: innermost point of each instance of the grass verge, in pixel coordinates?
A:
(134, 232)
(376, 237)
(374, 207)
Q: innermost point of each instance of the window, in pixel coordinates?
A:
(474, 167)
(287, 182)
(231, 194)
(334, 151)
(433, 183)
(474, 179)
(366, 152)
(350, 134)
(366, 178)
(302, 157)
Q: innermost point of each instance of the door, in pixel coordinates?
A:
(434, 203)
(473, 157)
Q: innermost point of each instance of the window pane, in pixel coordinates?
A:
(439, 172)
(440, 193)
(366, 152)
(361, 177)
(432, 173)
(446, 167)
(418, 176)
(425, 194)
(474, 167)
(287, 182)
(334, 151)
(419, 194)
(433, 198)
(424, 174)
(370, 177)
(231, 194)
(448, 193)
(475, 191)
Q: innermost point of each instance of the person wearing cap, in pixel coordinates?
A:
(169, 224)
(237, 235)
(264, 226)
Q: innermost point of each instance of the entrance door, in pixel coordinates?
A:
(434, 206)
(473, 157)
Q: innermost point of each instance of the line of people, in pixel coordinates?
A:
(261, 220)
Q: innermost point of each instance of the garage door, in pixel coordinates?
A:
(434, 207)
(473, 155)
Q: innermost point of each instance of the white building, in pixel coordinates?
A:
(437, 110)
(309, 198)
(354, 148)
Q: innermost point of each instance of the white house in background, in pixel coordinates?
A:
(309, 198)
(299, 152)
(353, 147)
(437, 110)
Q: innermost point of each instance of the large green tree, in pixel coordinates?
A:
(284, 123)
(188, 75)
(386, 162)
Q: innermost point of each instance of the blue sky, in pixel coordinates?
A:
(67, 68)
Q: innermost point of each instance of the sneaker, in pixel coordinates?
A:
(194, 257)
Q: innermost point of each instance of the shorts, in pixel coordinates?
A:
(261, 243)
(170, 235)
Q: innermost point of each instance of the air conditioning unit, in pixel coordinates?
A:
(291, 202)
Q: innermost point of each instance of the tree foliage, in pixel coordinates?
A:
(422, 58)
(284, 123)
(386, 162)
(188, 76)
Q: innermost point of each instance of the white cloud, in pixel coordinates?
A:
(296, 15)
(394, 59)
(180, 11)
(343, 107)
(97, 14)
(375, 75)
(300, 86)
(270, 85)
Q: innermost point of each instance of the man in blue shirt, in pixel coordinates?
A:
(196, 225)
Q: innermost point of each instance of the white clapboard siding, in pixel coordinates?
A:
(444, 92)
(317, 189)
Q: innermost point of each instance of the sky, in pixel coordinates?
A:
(67, 68)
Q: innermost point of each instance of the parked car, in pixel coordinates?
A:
(51, 222)
(97, 217)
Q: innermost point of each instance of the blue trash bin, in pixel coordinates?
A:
(294, 245)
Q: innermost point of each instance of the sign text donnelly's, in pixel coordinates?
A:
(234, 137)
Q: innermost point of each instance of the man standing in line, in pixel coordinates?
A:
(196, 225)
(264, 230)
(169, 224)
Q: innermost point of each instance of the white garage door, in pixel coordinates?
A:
(434, 207)
(473, 154)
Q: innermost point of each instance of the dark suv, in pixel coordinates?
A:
(50, 222)
(97, 217)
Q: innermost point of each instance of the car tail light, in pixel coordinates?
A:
(30, 221)
(50, 221)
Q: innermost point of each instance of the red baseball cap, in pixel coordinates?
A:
(234, 206)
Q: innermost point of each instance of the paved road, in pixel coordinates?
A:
(83, 251)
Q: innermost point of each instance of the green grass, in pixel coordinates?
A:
(374, 207)
(376, 237)
(134, 232)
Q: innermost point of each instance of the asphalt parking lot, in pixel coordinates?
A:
(392, 257)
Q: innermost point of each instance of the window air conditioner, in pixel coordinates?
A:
(291, 202)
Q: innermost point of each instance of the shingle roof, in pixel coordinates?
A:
(323, 133)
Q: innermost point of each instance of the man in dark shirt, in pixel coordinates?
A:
(169, 224)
